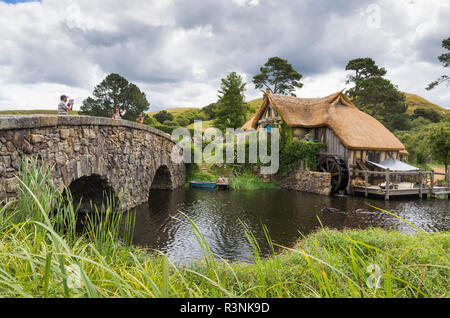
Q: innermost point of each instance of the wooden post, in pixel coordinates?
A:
(388, 185)
(366, 180)
(421, 184)
(349, 184)
(447, 178)
(432, 182)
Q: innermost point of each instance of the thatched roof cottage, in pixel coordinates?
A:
(352, 136)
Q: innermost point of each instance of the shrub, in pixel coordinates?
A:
(181, 121)
(300, 150)
(162, 116)
(170, 129)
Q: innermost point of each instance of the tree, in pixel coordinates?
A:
(279, 76)
(364, 68)
(379, 98)
(210, 110)
(416, 142)
(439, 142)
(115, 92)
(232, 109)
(376, 95)
(163, 116)
(150, 120)
(429, 114)
(445, 60)
(170, 123)
(181, 121)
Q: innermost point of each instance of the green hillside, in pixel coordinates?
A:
(415, 101)
(174, 111)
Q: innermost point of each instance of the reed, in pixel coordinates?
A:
(42, 256)
(249, 181)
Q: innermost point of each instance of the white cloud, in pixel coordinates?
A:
(177, 51)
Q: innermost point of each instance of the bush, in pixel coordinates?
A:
(429, 114)
(162, 116)
(170, 123)
(170, 129)
(300, 150)
(182, 121)
(150, 120)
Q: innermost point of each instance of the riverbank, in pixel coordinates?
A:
(325, 264)
(238, 181)
(42, 256)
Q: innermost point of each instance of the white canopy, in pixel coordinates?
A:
(394, 165)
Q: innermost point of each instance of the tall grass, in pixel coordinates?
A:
(249, 181)
(40, 257)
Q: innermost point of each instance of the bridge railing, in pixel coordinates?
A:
(10, 122)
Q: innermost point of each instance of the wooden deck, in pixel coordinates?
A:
(405, 192)
(422, 189)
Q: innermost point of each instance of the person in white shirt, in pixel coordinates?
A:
(64, 109)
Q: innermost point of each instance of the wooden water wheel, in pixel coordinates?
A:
(338, 170)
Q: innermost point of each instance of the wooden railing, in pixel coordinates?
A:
(388, 174)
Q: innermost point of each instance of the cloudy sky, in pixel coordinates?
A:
(178, 50)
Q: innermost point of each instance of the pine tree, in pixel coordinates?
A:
(232, 109)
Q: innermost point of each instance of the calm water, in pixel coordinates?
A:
(286, 214)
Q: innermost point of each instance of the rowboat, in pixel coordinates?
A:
(199, 184)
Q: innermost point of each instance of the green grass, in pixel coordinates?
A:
(249, 181)
(194, 173)
(205, 125)
(42, 256)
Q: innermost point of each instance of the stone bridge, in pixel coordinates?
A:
(89, 155)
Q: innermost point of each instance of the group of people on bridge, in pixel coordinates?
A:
(65, 105)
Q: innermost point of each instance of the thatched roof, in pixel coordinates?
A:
(248, 125)
(354, 128)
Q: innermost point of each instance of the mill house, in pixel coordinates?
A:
(362, 155)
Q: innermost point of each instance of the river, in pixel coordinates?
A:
(288, 215)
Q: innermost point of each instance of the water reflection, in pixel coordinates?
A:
(286, 214)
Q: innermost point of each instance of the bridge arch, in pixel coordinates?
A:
(89, 189)
(162, 180)
(128, 156)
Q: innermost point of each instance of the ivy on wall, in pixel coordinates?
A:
(300, 150)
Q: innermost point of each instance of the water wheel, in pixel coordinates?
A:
(338, 170)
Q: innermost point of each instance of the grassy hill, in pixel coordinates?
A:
(415, 101)
(174, 111)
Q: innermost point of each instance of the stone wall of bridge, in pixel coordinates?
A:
(126, 155)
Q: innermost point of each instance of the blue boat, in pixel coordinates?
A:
(199, 184)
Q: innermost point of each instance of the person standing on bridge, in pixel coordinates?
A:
(140, 119)
(118, 114)
(63, 109)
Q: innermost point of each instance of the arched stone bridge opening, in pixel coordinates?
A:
(90, 153)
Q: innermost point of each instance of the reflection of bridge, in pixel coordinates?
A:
(123, 156)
